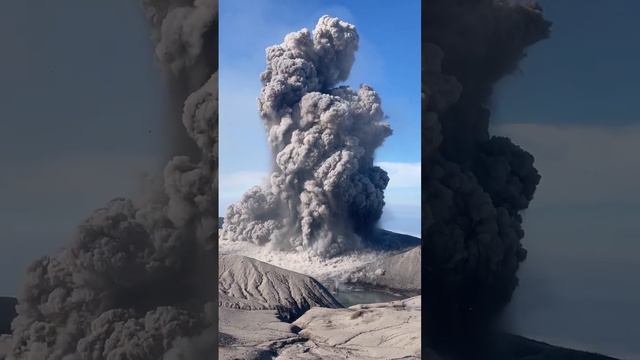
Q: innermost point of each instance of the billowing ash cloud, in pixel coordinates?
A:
(476, 186)
(324, 194)
(136, 280)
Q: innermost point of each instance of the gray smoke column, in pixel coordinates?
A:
(324, 194)
(475, 186)
(137, 279)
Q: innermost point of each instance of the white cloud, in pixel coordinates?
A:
(403, 189)
(237, 183)
(233, 185)
(402, 175)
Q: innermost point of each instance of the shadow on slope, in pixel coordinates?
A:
(526, 349)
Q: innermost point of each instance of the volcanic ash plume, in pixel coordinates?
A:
(324, 194)
(137, 278)
(476, 186)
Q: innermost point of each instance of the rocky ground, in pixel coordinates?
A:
(266, 312)
(367, 331)
(399, 272)
(248, 284)
(253, 334)
(372, 331)
(254, 295)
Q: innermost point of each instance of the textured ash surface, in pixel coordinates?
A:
(249, 284)
(377, 331)
(401, 272)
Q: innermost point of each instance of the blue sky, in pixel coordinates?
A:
(388, 60)
(574, 105)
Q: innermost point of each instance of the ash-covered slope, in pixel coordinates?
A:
(252, 334)
(526, 349)
(397, 272)
(373, 331)
(250, 284)
(255, 301)
(253, 295)
(391, 241)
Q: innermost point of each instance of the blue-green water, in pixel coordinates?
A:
(352, 295)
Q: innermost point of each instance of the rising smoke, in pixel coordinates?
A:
(136, 281)
(475, 185)
(324, 194)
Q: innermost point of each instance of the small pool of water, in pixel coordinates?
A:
(352, 295)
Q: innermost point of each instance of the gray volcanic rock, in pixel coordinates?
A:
(372, 331)
(248, 284)
(255, 298)
(397, 272)
(393, 241)
(252, 334)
